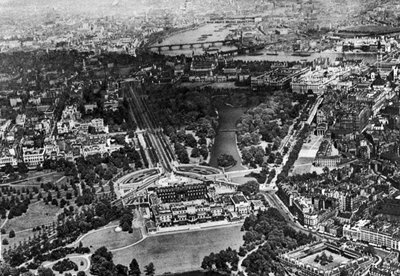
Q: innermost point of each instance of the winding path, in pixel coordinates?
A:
(86, 257)
(241, 259)
(92, 232)
(26, 179)
(5, 221)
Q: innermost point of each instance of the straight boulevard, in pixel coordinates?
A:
(154, 133)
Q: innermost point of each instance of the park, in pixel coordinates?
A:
(225, 140)
(180, 252)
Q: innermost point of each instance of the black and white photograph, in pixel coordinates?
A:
(199, 137)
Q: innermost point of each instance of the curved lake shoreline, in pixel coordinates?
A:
(225, 140)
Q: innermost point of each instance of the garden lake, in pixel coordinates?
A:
(225, 140)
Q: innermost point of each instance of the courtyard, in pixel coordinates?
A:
(337, 260)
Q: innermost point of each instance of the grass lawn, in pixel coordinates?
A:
(180, 252)
(110, 239)
(243, 179)
(37, 215)
(307, 154)
(19, 237)
(302, 165)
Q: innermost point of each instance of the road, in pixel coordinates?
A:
(86, 257)
(291, 140)
(154, 133)
(275, 202)
(314, 109)
(5, 221)
(28, 178)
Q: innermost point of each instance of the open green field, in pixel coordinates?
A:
(110, 239)
(304, 162)
(302, 165)
(38, 214)
(180, 252)
(19, 237)
(243, 179)
(225, 141)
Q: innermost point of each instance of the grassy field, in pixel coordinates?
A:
(181, 251)
(243, 179)
(110, 239)
(225, 142)
(37, 215)
(302, 165)
(307, 155)
(19, 237)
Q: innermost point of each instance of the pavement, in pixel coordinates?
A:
(196, 227)
(27, 179)
(85, 256)
(241, 269)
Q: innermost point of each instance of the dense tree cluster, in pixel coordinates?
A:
(268, 230)
(65, 265)
(253, 156)
(181, 153)
(57, 254)
(60, 165)
(106, 167)
(180, 109)
(183, 107)
(45, 271)
(15, 206)
(261, 177)
(249, 188)
(270, 120)
(125, 222)
(102, 264)
(294, 153)
(30, 66)
(323, 259)
(224, 261)
(226, 160)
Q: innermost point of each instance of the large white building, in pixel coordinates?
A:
(317, 80)
(385, 236)
(33, 157)
(7, 156)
